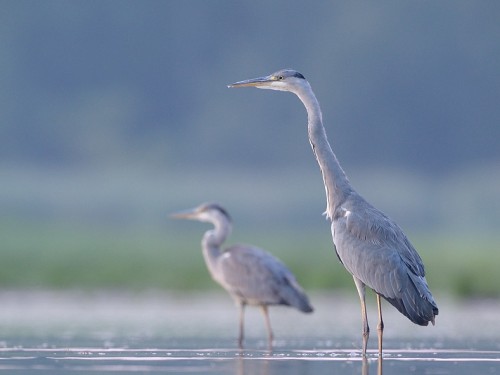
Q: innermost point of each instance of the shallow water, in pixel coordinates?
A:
(230, 361)
(102, 333)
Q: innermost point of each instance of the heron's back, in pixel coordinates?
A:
(256, 277)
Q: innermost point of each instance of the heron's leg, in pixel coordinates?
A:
(268, 325)
(242, 318)
(380, 326)
(366, 329)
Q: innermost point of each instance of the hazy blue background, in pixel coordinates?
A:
(115, 113)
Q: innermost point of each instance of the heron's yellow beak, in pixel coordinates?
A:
(255, 82)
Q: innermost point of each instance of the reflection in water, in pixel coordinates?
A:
(257, 363)
(250, 367)
(365, 366)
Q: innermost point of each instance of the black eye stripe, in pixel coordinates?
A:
(280, 76)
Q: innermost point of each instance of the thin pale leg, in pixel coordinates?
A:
(380, 326)
(366, 329)
(270, 336)
(242, 321)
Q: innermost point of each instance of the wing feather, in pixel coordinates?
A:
(374, 249)
(257, 277)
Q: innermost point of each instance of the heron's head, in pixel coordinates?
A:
(282, 80)
(206, 212)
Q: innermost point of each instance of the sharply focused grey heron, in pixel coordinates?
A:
(371, 246)
(250, 275)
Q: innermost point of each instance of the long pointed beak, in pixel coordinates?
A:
(187, 214)
(255, 82)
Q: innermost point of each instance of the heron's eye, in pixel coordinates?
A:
(280, 78)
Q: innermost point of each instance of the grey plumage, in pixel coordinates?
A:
(384, 259)
(372, 247)
(250, 275)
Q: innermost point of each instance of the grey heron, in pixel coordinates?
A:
(250, 275)
(371, 246)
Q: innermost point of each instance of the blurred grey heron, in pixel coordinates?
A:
(250, 275)
(371, 246)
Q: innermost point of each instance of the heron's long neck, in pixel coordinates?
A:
(337, 185)
(212, 242)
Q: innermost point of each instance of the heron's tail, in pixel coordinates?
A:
(417, 303)
(293, 295)
(304, 306)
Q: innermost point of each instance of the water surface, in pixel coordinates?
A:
(108, 332)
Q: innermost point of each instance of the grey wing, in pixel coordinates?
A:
(257, 277)
(375, 250)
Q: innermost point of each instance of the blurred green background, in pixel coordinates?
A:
(114, 114)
